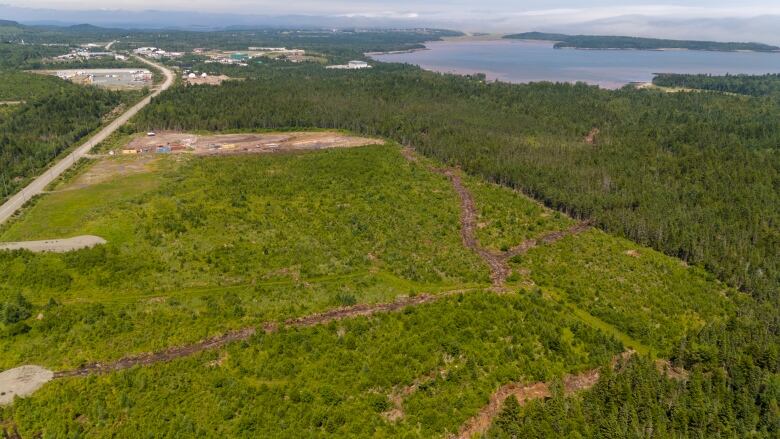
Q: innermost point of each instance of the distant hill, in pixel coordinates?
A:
(620, 42)
(9, 27)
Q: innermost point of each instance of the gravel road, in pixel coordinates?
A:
(39, 184)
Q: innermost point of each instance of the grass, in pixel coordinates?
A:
(651, 297)
(282, 236)
(507, 218)
(334, 380)
(201, 245)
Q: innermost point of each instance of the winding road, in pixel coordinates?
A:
(38, 185)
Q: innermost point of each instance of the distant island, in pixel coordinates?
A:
(618, 42)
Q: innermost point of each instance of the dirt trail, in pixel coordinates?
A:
(549, 238)
(481, 422)
(166, 355)
(397, 396)
(499, 270)
(497, 261)
(244, 334)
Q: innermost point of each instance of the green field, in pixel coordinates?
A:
(332, 380)
(285, 236)
(201, 245)
(507, 218)
(651, 297)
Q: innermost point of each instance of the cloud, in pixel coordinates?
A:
(384, 14)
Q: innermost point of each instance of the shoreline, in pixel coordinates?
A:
(397, 52)
(661, 49)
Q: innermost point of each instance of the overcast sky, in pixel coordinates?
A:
(747, 20)
(555, 10)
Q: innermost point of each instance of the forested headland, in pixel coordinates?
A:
(694, 175)
(752, 85)
(621, 42)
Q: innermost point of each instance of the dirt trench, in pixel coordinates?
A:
(497, 261)
(244, 334)
(481, 422)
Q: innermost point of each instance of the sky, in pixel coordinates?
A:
(755, 20)
(554, 10)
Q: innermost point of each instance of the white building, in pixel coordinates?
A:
(352, 65)
(358, 65)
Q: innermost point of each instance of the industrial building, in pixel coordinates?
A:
(352, 65)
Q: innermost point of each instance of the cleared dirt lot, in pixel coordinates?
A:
(208, 80)
(243, 143)
(106, 169)
(22, 381)
(55, 245)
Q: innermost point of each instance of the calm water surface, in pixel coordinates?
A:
(529, 61)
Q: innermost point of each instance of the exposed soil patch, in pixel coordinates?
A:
(166, 355)
(480, 423)
(208, 80)
(549, 238)
(366, 310)
(590, 139)
(675, 373)
(398, 395)
(176, 142)
(55, 245)
(22, 381)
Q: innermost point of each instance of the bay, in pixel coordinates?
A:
(533, 61)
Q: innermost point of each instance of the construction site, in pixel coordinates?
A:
(114, 79)
(177, 143)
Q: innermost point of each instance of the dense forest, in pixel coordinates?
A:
(22, 86)
(752, 85)
(620, 42)
(639, 400)
(694, 175)
(19, 56)
(39, 130)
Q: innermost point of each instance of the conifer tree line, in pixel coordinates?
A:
(35, 133)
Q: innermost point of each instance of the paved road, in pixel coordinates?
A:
(39, 184)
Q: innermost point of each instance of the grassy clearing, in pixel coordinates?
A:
(209, 244)
(201, 245)
(651, 297)
(331, 381)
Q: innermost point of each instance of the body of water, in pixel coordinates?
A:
(530, 61)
